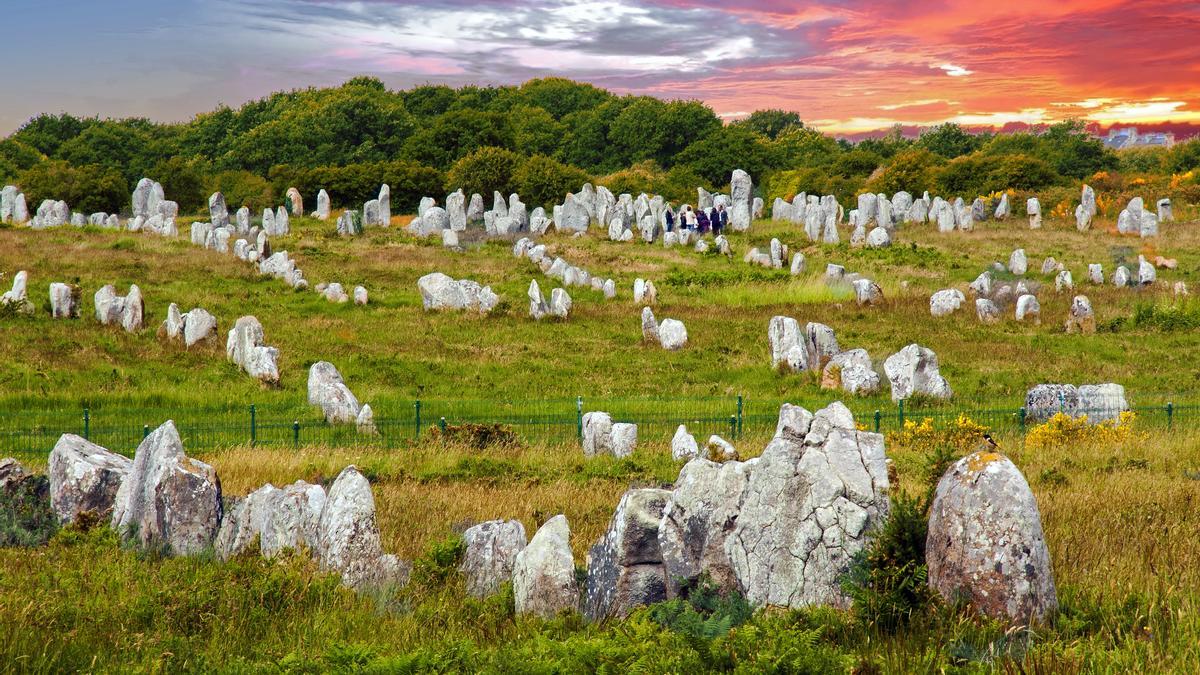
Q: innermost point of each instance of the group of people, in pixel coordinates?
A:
(698, 220)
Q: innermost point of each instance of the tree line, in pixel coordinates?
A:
(540, 139)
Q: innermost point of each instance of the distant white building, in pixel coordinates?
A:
(1128, 137)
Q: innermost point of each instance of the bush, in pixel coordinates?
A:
(477, 436)
(1063, 431)
(887, 580)
(352, 185)
(542, 181)
(485, 170)
(26, 518)
(184, 182)
(86, 189)
(909, 170)
(242, 188)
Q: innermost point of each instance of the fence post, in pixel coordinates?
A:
(900, 412)
(296, 433)
(1062, 403)
(739, 418)
(579, 417)
(442, 424)
(1021, 414)
(1170, 414)
(87, 423)
(253, 426)
(733, 426)
(878, 415)
(145, 430)
(417, 405)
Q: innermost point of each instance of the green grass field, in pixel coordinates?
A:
(1120, 517)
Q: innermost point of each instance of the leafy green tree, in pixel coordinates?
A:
(544, 181)
(560, 96)
(485, 170)
(45, 133)
(430, 100)
(715, 156)
(1185, 156)
(184, 181)
(948, 140)
(771, 123)
(965, 176)
(1019, 172)
(242, 188)
(910, 170)
(682, 123)
(858, 163)
(1073, 152)
(636, 134)
(1147, 160)
(123, 146)
(586, 144)
(19, 155)
(447, 138)
(86, 189)
(535, 131)
(803, 147)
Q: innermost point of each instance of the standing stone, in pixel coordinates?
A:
(867, 292)
(475, 210)
(1096, 273)
(683, 445)
(624, 439)
(456, 211)
(64, 301)
(985, 543)
(244, 347)
(322, 212)
(84, 477)
(544, 572)
(698, 521)
(649, 327)
(987, 311)
(1029, 309)
(1033, 209)
(946, 302)
(1146, 274)
(625, 568)
(809, 507)
(741, 195)
(1121, 277)
(914, 371)
(133, 310)
(20, 213)
(1086, 211)
(198, 326)
(1081, 319)
(1018, 263)
(218, 214)
(348, 537)
(672, 334)
(295, 202)
(168, 501)
(490, 552)
(242, 220)
(1165, 213)
(327, 390)
(385, 205)
(1002, 209)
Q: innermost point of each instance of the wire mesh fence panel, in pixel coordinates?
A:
(401, 422)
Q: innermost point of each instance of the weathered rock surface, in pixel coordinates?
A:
(168, 501)
(490, 555)
(439, 291)
(808, 508)
(544, 572)
(328, 391)
(244, 347)
(914, 371)
(84, 477)
(625, 568)
(698, 520)
(348, 536)
(985, 543)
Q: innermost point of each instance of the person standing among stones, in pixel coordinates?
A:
(702, 221)
(689, 222)
(670, 220)
(720, 219)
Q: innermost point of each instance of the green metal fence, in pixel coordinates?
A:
(399, 423)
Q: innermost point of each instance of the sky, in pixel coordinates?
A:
(844, 65)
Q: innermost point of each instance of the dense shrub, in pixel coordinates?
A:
(242, 188)
(542, 181)
(910, 170)
(86, 189)
(184, 181)
(352, 185)
(485, 170)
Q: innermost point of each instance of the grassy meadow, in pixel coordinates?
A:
(1121, 511)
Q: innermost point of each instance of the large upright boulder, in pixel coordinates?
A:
(279, 519)
(244, 347)
(328, 391)
(490, 553)
(168, 501)
(809, 507)
(625, 568)
(348, 536)
(985, 543)
(218, 213)
(544, 572)
(439, 291)
(84, 477)
(914, 371)
(741, 211)
(698, 519)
